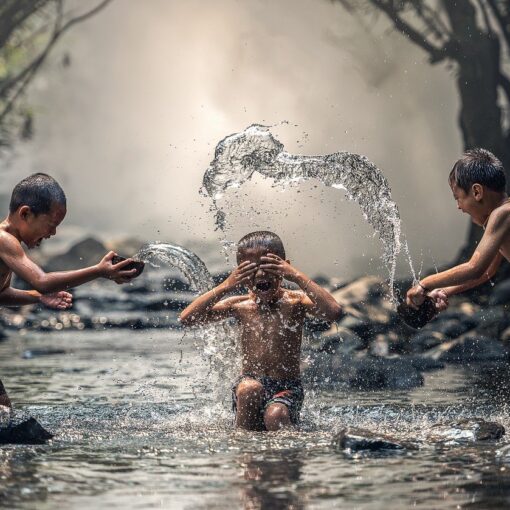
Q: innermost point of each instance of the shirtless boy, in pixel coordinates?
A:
(268, 395)
(37, 207)
(478, 184)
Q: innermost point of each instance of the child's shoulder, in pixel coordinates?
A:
(501, 214)
(8, 241)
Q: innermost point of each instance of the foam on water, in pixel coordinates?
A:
(237, 157)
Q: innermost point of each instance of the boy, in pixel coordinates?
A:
(478, 184)
(37, 207)
(268, 394)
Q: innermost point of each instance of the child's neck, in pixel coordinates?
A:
(11, 226)
(493, 200)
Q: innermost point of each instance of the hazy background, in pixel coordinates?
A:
(131, 125)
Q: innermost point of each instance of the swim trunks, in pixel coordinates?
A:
(287, 392)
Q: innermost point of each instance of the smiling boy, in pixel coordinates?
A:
(36, 209)
(478, 185)
(268, 394)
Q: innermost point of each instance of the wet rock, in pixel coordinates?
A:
(500, 294)
(174, 283)
(36, 353)
(363, 290)
(342, 340)
(492, 321)
(466, 430)
(469, 348)
(423, 364)
(453, 328)
(425, 340)
(355, 440)
(127, 246)
(28, 431)
(375, 373)
(87, 252)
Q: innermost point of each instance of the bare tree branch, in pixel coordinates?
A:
(24, 77)
(436, 53)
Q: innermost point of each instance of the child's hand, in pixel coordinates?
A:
(273, 264)
(415, 296)
(440, 298)
(59, 300)
(115, 272)
(241, 275)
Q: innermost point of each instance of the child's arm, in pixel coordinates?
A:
(498, 228)
(317, 301)
(208, 307)
(14, 297)
(16, 259)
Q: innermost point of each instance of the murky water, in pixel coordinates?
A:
(136, 428)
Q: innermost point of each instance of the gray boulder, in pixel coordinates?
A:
(85, 253)
(28, 431)
(466, 430)
(355, 439)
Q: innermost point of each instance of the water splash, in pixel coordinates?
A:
(217, 343)
(237, 157)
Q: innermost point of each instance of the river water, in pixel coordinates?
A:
(138, 424)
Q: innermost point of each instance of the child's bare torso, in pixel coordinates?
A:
(271, 335)
(5, 272)
(504, 248)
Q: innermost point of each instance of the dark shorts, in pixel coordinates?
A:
(287, 392)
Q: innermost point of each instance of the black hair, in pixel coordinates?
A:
(38, 191)
(481, 167)
(262, 238)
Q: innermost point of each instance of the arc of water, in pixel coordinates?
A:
(237, 157)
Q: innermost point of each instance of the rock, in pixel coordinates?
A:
(453, 328)
(492, 321)
(363, 290)
(355, 440)
(423, 364)
(375, 373)
(174, 283)
(85, 253)
(339, 339)
(36, 353)
(26, 432)
(425, 340)
(417, 318)
(466, 430)
(469, 348)
(127, 246)
(500, 294)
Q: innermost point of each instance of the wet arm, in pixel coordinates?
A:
(18, 262)
(477, 267)
(208, 307)
(471, 284)
(318, 301)
(16, 297)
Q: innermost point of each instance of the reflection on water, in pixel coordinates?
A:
(137, 425)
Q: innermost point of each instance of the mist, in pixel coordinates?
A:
(130, 126)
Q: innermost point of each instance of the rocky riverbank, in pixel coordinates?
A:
(371, 348)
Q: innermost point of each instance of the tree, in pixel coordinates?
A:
(474, 35)
(29, 29)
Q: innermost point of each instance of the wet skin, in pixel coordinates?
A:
(491, 210)
(271, 320)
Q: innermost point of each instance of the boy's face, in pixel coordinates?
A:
(35, 228)
(264, 285)
(469, 202)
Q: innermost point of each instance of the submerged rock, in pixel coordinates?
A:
(469, 348)
(28, 431)
(355, 440)
(466, 430)
(376, 373)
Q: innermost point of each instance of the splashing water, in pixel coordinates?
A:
(239, 156)
(217, 342)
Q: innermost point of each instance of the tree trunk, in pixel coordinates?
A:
(477, 53)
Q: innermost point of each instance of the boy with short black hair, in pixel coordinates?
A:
(37, 207)
(478, 183)
(268, 395)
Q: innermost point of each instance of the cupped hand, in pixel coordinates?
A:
(59, 300)
(440, 298)
(415, 296)
(274, 264)
(241, 275)
(116, 272)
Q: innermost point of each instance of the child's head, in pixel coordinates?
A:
(252, 247)
(477, 173)
(38, 205)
